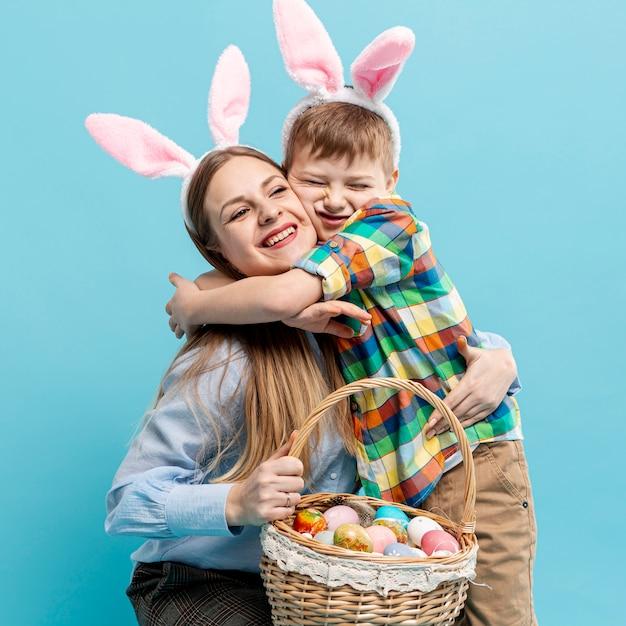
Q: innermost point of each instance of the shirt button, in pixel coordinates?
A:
(333, 244)
(333, 475)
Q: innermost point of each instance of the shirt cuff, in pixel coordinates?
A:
(325, 262)
(493, 341)
(199, 510)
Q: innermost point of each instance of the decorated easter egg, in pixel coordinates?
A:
(326, 536)
(353, 537)
(381, 537)
(437, 540)
(401, 549)
(309, 521)
(392, 513)
(396, 527)
(420, 525)
(340, 514)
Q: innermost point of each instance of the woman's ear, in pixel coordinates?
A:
(392, 181)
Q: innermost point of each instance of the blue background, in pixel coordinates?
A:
(514, 151)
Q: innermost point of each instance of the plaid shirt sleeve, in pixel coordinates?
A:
(379, 245)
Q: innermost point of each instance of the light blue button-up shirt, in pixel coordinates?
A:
(157, 494)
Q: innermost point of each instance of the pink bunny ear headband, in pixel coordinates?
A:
(312, 61)
(149, 153)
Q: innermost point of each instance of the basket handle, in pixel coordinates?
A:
(468, 520)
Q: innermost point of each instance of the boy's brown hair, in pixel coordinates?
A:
(341, 129)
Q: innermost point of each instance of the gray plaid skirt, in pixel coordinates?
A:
(175, 594)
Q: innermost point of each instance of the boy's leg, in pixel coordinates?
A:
(506, 532)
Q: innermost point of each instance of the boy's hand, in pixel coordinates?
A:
(318, 318)
(484, 385)
(180, 308)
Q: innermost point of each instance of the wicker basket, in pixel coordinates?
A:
(430, 591)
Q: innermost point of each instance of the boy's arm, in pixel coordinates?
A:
(251, 300)
(208, 280)
(379, 245)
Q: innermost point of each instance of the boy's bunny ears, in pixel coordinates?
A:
(313, 63)
(149, 153)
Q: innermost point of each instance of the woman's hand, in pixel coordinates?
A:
(318, 318)
(484, 385)
(270, 493)
(180, 308)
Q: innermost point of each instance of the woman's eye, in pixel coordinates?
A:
(278, 190)
(237, 214)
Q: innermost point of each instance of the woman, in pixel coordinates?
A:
(210, 463)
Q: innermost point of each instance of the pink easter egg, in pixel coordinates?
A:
(436, 540)
(381, 537)
(340, 514)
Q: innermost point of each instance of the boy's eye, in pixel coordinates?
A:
(314, 182)
(359, 186)
(239, 212)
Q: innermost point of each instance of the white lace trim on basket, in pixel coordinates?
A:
(361, 575)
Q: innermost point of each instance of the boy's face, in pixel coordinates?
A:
(332, 189)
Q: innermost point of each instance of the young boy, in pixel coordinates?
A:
(379, 258)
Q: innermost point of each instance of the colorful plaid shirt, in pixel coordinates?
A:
(382, 261)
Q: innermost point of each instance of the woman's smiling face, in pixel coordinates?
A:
(259, 223)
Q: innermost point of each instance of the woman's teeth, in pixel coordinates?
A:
(276, 238)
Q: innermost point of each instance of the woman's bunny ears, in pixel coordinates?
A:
(312, 61)
(149, 153)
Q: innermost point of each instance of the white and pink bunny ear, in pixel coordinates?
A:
(138, 146)
(376, 69)
(310, 57)
(229, 97)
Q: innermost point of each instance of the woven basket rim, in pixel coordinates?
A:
(467, 541)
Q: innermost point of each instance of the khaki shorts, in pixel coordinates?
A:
(506, 532)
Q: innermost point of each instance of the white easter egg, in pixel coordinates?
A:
(326, 536)
(419, 526)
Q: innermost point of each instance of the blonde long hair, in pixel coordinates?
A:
(284, 382)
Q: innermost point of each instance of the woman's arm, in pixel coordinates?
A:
(157, 491)
(488, 379)
(493, 341)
